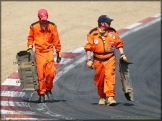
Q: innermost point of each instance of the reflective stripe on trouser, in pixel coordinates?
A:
(105, 77)
(46, 70)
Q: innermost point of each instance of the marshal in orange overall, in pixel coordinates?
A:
(103, 41)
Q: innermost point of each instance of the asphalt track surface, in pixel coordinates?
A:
(75, 95)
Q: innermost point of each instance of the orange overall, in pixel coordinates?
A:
(103, 48)
(44, 42)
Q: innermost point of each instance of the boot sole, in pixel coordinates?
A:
(41, 101)
(102, 103)
(48, 96)
(112, 104)
(50, 99)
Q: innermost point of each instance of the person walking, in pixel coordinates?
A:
(43, 35)
(102, 41)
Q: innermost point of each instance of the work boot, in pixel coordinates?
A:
(102, 101)
(49, 95)
(111, 101)
(41, 98)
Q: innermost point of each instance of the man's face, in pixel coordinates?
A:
(43, 21)
(105, 25)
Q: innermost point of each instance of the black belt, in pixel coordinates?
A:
(102, 59)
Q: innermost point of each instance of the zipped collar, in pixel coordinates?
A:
(105, 35)
(42, 27)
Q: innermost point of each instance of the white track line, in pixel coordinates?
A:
(133, 25)
(11, 82)
(67, 68)
(18, 112)
(77, 50)
(12, 93)
(11, 103)
(64, 60)
(139, 28)
(157, 15)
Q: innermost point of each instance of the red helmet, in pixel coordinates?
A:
(43, 14)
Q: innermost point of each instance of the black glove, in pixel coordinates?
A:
(58, 57)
